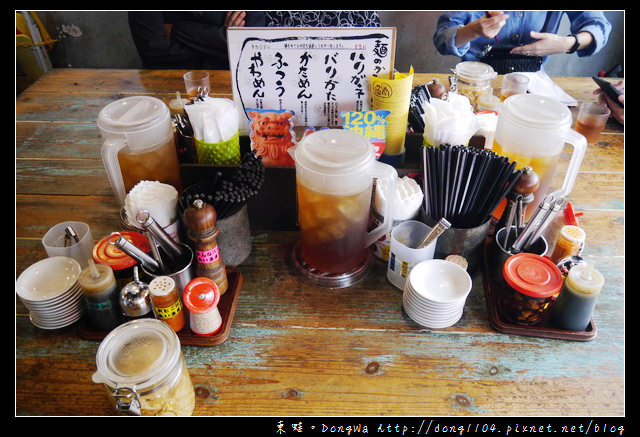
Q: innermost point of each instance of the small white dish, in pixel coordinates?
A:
(47, 279)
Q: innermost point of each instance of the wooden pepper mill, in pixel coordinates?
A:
(519, 198)
(200, 219)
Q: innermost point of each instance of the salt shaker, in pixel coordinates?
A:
(200, 219)
(135, 299)
(201, 297)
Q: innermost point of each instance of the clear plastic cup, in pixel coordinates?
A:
(404, 252)
(591, 120)
(55, 243)
(513, 83)
(197, 82)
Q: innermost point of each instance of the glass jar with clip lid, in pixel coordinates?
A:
(142, 368)
(472, 79)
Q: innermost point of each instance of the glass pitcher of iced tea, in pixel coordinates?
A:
(335, 172)
(533, 130)
(138, 144)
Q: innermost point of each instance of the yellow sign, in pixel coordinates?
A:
(393, 95)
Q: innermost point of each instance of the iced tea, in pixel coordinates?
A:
(333, 229)
(160, 164)
(544, 166)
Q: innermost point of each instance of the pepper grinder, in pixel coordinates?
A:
(200, 219)
(519, 197)
(135, 299)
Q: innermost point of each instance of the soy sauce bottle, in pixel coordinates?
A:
(100, 293)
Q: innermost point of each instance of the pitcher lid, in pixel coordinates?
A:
(334, 151)
(133, 113)
(536, 111)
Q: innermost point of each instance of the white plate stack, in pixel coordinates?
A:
(435, 293)
(50, 290)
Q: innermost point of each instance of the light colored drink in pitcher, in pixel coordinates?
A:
(333, 229)
(160, 164)
(544, 166)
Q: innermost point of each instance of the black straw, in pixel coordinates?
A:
(465, 184)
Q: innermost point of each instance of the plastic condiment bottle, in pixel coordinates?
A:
(200, 218)
(201, 297)
(569, 243)
(165, 300)
(577, 300)
(100, 292)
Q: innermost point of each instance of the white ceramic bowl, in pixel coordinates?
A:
(47, 279)
(440, 281)
(432, 322)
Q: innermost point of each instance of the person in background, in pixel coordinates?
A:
(517, 35)
(617, 111)
(189, 40)
(322, 19)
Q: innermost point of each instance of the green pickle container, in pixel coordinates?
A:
(533, 282)
(223, 153)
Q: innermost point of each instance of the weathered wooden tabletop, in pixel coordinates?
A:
(298, 350)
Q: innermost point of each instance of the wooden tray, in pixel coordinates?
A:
(492, 290)
(226, 306)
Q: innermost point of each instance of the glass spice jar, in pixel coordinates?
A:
(533, 283)
(143, 370)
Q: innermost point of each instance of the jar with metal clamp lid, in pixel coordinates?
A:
(472, 79)
(142, 368)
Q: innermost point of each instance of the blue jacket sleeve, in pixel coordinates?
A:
(593, 22)
(447, 27)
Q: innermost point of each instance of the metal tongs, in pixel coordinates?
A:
(134, 252)
(172, 249)
(543, 216)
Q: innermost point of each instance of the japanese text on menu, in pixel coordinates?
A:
(316, 73)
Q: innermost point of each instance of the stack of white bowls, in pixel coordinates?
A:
(435, 293)
(50, 290)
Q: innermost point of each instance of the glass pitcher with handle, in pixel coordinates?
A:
(533, 130)
(138, 144)
(335, 171)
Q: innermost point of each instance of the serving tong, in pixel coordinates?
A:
(540, 220)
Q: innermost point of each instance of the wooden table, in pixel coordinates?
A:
(298, 350)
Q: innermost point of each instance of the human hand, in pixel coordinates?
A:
(235, 18)
(546, 44)
(490, 24)
(617, 111)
